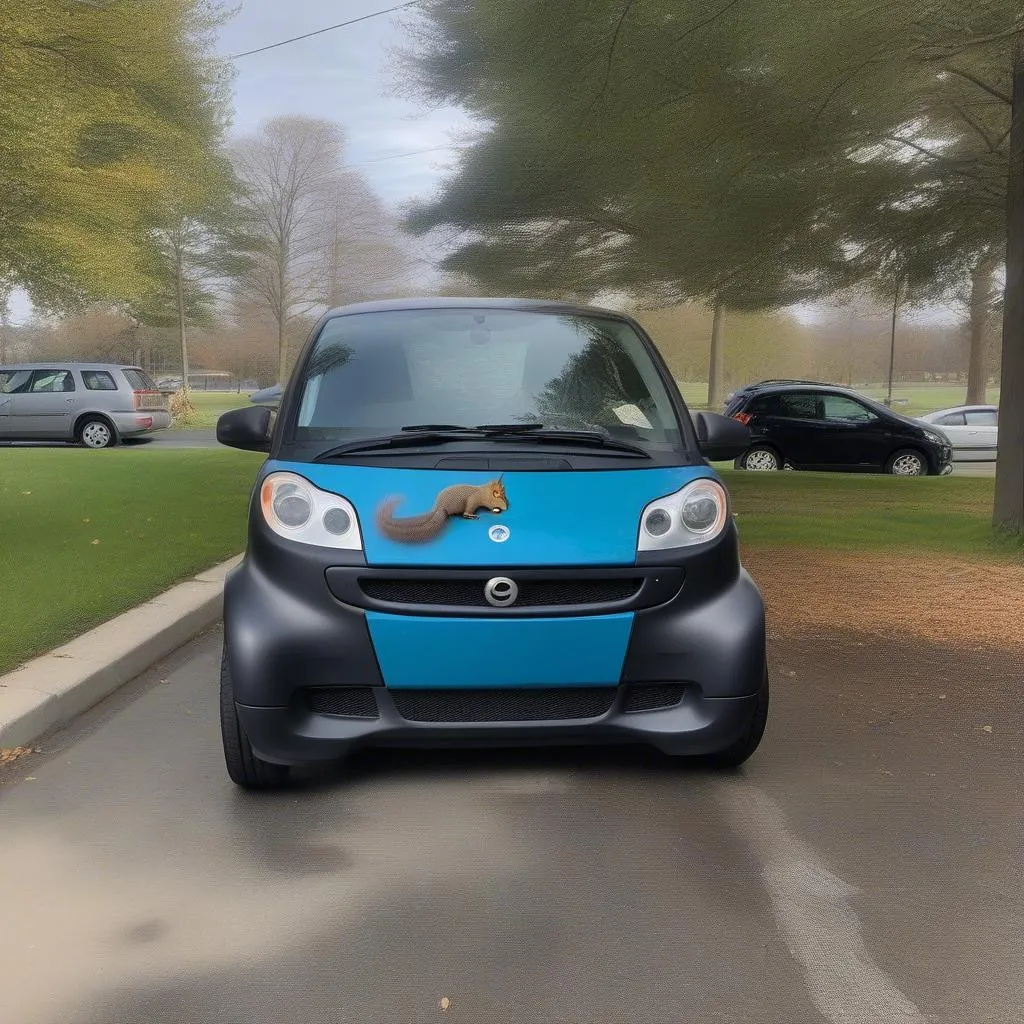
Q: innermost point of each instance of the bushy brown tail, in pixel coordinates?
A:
(412, 529)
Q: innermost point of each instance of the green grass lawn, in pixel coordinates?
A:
(209, 405)
(88, 535)
(866, 512)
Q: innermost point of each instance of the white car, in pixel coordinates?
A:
(972, 429)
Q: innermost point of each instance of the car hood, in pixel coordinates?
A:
(553, 518)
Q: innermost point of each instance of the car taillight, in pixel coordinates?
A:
(743, 417)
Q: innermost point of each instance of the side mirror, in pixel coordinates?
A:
(721, 438)
(247, 428)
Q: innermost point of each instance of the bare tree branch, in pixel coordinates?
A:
(990, 89)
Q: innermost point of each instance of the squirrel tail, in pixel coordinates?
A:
(413, 528)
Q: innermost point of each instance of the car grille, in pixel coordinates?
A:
(533, 593)
(504, 705)
(654, 697)
(344, 701)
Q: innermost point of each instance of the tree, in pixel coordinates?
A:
(618, 153)
(198, 249)
(288, 170)
(108, 110)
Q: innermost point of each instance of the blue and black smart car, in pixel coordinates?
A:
(486, 522)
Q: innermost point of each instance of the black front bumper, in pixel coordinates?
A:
(697, 725)
(288, 635)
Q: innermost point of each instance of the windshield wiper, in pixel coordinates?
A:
(430, 434)
(401, 440)
(588, 438)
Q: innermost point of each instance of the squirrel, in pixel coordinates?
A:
(458, 500)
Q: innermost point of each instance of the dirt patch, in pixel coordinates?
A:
(939, 599)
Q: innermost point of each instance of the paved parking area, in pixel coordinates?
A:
(863, 867)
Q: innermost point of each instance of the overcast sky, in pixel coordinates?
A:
(345, 75)
(348, 75)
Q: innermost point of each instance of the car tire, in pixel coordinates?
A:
(244, 767)
(735, 754)
(96, 433)
(760, 459)
(907, 462)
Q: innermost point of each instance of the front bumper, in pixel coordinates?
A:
(286, 639)
(697, 725)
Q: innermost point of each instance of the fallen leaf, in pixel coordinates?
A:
(942, 696)
(96, 542)
(10, 755)
(444, 1002)
(986, 728)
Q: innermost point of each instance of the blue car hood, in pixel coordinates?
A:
(553, 518)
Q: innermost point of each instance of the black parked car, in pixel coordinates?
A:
(808, 425)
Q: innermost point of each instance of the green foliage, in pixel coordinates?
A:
(111, 114)
(749, 154)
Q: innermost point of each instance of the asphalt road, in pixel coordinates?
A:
(863, 868)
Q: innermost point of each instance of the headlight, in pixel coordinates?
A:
(935, 437)
(292, 507)
(694, 514)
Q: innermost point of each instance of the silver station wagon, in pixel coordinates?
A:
(93, 404)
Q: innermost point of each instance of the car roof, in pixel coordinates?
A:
(453, 302)
(63, 364)
(964, 408)
(795, 385)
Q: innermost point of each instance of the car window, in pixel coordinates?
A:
(48, 381)
(764, 405)
(370, 373)
(981, 418)
(953, 419)
(13, 382)
(139, 380)
(98, 380)
(839, 407)
(803, 406)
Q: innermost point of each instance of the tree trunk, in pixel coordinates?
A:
(715, 362)
(892, 342)
(282, 351)
(182, 337)
(1008, 513)
(977, 364)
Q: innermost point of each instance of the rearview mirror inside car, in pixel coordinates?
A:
(247, 428)
(721, 438)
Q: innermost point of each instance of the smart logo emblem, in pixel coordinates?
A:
(499, 534)
(501, 592)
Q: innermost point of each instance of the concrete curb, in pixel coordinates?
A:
(51, 690)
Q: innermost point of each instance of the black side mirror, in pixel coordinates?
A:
(721, 438)
(247, 428)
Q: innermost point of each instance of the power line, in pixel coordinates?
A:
(396, 156)
(321, 31)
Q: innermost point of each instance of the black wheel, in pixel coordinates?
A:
(733, 756)
(244, 767)
(97, 433)
(760, 459)
(907, 462)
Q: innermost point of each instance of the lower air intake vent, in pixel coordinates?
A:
(518, 705)
(655, 697)
(344, 702)
(470, 593)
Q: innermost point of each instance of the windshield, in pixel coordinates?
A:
(375, 373)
